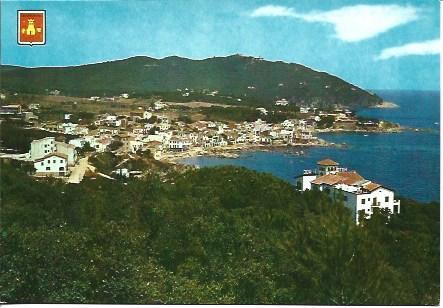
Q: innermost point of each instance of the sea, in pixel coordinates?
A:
(407, 162)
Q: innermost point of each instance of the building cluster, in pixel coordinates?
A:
(360, 195)
(18, 113)
(51, 157)
(152, 129)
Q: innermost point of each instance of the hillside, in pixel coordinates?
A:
(222, 235)
(251, 79)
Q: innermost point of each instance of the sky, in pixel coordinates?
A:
(373, 44)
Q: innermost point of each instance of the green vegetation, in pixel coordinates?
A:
(107, 162)
(326, 122)
(240, 114)
(231, 76)
(184, 118)
(15, 136)
(218, 235)
(388, 125)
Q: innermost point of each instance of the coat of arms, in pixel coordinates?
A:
(31, 28)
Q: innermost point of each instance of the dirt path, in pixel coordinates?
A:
(78, 171)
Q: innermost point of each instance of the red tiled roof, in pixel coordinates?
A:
(371, 186)
(327, 162)
(53, 154)
(348, 178)
(329, 179)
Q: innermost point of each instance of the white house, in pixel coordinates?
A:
(361, 196)
(179, 144)
(123, 172)
(69, 128)
(281, 102)
(147, 115)
(78, 142)
(53, 164)
(68, 150)
(42, 147)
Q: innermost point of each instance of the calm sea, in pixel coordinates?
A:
(407, 162)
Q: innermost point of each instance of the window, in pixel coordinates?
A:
(61, 161)
(61, 169)
(48, 168)
(54, 161)
(49, 161)
(396, 209)
(363, 201)
(386, 199)
(43, 163)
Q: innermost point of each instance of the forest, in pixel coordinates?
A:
(212, 235)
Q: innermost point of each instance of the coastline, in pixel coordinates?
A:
(386, 105)
(234, 151)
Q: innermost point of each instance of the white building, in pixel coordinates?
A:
(42, 147)
(361, 196)
(68, 150)
(69, 128)
(179, 144)
(53, 164)
(78, 142)
(281, 102)
(100, 144)
(147, 115)
(159, 105)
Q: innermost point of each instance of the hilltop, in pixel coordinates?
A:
(241, 79)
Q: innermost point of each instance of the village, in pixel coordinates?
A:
(166, 137)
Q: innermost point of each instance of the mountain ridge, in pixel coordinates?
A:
(246, 77)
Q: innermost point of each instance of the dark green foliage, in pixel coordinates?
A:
(15, 136)
(104, 162)
(231, 76)
(213, 235)
(115, 145)
(185, 118)
(239, 114)
(326, 122)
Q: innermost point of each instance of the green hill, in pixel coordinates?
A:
(249, 78)
(223, 235)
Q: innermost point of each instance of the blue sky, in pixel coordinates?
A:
(373, 44)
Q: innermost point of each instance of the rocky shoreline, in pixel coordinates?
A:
(386, 105)
(234, 151)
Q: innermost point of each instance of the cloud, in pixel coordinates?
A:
(273, 11)
(351, 23)
(431, 47)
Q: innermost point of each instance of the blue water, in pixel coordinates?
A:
(407, 162)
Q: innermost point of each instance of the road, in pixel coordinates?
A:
(78, 171)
